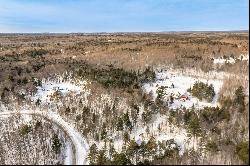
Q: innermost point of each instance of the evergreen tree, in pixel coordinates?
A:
(92, 156)
(111, 148)
(203, 91)
(171, 99)
(56, 144)
(119, 126)
(242, 150)
(132, 149)
(103, 133)
(38, 101)
(145, 162)
(126, 121)
(239, 99)
(151, 146)
(161, 92)
(120, 159)
(194, 126)
(143, 149)
(102, 159)
(126, 137)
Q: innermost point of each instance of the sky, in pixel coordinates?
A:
(65, 16)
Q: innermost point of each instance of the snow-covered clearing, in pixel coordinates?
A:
(80, 145)
(223, 60)
(52, 88)
(177, 85)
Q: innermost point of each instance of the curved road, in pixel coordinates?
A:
(80, 145)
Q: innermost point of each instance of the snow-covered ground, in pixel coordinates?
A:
(177, 85)
(244, 57)
(222, 60)
(167, 132)
(181, 80)
(59, 87)
(158, 127)
(68, 154)
(49, 88)
(80, 144)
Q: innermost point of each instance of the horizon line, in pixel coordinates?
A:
(240, 30)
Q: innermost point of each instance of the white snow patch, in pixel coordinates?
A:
(244, 57)
(27, 118)
(222, 60)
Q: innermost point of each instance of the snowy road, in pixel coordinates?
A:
(80, 145)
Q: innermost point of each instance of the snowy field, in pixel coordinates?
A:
(177, 85)
(51, 87)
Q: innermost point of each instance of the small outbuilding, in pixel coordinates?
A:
(184, 97)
